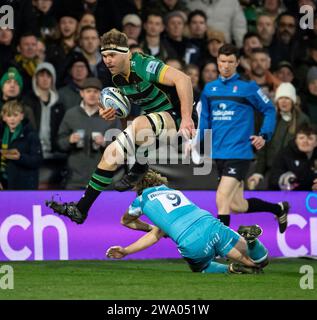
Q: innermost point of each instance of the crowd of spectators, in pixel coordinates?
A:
(50, 64)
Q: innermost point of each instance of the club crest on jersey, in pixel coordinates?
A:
(296, 163)
(235, 89)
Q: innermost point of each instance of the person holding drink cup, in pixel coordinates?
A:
(81, 135)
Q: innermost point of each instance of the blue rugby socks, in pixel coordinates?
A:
(215, 267)
(256, 251)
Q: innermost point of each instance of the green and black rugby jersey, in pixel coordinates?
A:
(143, 87)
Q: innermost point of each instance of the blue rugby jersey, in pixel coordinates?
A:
(168, 209)
(227, 107)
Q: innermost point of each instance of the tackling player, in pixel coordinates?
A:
(198, 235)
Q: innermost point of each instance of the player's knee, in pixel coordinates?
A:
(235, 207)
(109, 157)
(140, 123)
(238, 206)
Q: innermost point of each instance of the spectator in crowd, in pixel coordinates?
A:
(78, 70)
(285, 44)
(208, 72)
(177, 45)
(310, 96)
(24, 17)
(87, 19)
(272, 8)
(197, 27)
(215, 40)
(265, 28)
(45, 19)
(223, 15)
(289, 119)
(109, 14)
(58, 50)
(81, 135)
(285, 72)
(41, 51)
(26, 59)
(152, 44)
(295, 167)
(11, 85)
(20, 150)
(132, 26)
(175, 63)
(164, 7)
(307, 62)
(6, 49)
(193, 72)
(250, 8)
(89, 44)
(260, 72)
(48, 113)
(251, 41)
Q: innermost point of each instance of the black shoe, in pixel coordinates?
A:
(282, 218)
(250, 233)
(67, 209)
(130, 179)
(263, 264)
(237, 268)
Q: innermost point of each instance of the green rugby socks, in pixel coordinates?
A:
(99, 182)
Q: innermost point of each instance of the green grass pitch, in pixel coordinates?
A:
(153, 279)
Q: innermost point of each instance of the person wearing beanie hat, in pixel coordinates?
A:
(12, 74)
(11, 85)
(312, 75)
(286, 90)
(289, 119)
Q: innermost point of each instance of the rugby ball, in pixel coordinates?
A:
(113, 98)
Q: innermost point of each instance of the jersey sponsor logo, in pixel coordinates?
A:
(152, 66)
(232, 171)
(222, 114)
(263, 96)
(214, 89)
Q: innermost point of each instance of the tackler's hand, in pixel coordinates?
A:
(116, 252)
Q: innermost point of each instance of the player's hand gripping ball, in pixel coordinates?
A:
(113, 98)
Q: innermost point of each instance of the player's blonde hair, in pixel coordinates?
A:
(151, 179)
